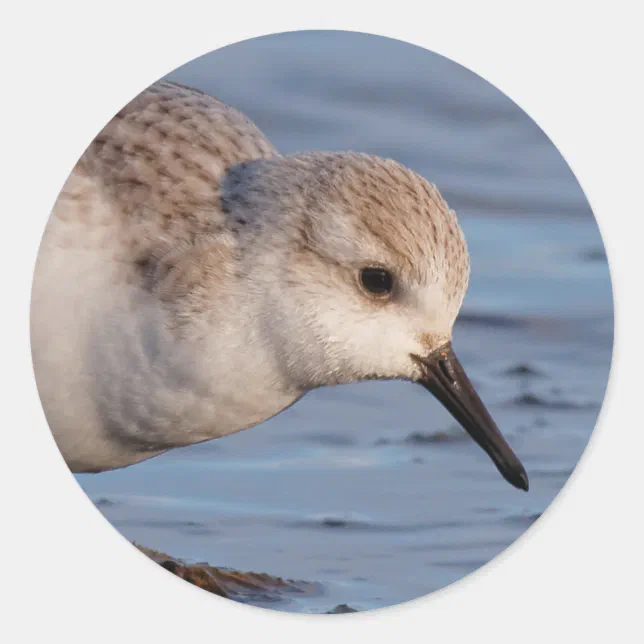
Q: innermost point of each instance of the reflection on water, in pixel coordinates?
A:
(368, 489)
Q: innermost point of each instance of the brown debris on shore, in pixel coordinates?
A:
(245, 587)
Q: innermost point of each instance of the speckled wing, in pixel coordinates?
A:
(158, 165)
(136, 248)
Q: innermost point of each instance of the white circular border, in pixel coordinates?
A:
(68, 67)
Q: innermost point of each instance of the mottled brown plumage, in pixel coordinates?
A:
(193, 282)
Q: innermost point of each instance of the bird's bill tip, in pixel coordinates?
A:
(444, 376)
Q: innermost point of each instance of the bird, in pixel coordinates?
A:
(192, 282)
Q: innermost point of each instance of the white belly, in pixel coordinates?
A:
(115, 384)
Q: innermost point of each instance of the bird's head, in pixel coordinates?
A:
(362, 269)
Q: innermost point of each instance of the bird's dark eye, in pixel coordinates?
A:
(377, 280)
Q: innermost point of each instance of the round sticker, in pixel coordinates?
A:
(365, 255)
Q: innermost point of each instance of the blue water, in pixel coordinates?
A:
(371, 489)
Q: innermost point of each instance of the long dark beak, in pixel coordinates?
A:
(444, 376)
